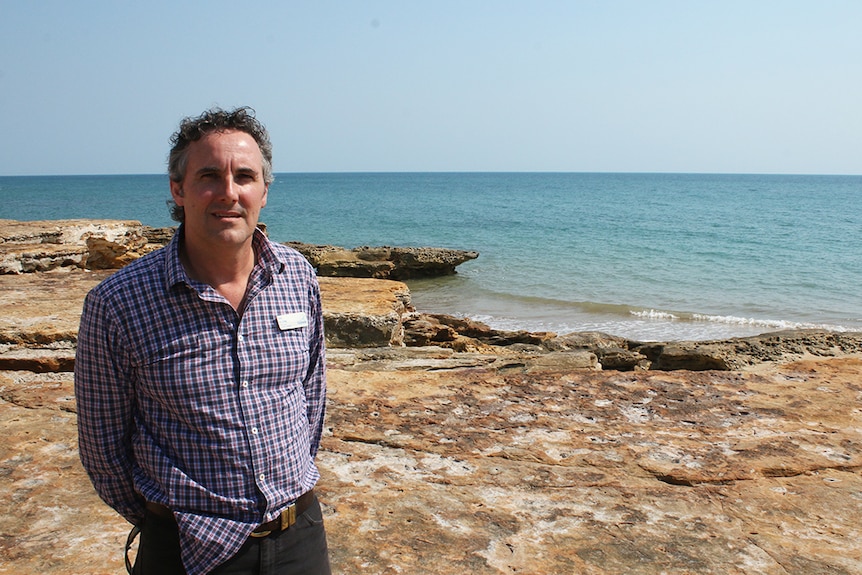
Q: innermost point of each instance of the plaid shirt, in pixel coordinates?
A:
(183, 402)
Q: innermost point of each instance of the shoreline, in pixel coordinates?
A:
(430, 274)
(458, 296)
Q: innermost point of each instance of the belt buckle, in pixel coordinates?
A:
(288, 516)
(286, 519)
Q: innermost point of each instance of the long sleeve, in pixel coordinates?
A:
(315, 380)
(105, 401)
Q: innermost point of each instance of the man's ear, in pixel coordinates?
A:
(177, 192)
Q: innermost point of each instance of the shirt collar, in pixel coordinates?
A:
(267, 258)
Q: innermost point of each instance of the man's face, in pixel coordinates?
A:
(223, 191)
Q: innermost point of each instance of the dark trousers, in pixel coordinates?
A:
(299, 550)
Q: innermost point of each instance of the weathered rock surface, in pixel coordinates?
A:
(363, 313)
(489, 452)
(92, 244)
(490, 471)
(395, 263)
(463, 333)
(484, 471)
(39, 246)
(39, 315)
(621, 354)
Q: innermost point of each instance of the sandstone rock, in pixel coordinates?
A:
(43, 310)
(590, 472)
(105, 254)
(592, 340)
(475, 470)
(518, 457)
(383, 262)
(38, 246)
(424, 329)
(622, 359)
(57, 232)
(53, 521)
(37, 359)
(564, 360)
(680, 356)
(38, 390)
(362, 312)
(737, 353)
(45, 245)
(39, 315)
(159, 236)
(407, 359)
(451, 331)
(17, 259)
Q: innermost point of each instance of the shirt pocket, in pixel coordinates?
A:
(282, 356)
(188, 367)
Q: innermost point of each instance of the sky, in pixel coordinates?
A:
(720, 86)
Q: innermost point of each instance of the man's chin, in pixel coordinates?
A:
(238, 233)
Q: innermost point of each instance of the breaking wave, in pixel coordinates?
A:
(767, 324)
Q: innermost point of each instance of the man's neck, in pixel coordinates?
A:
(226, 270)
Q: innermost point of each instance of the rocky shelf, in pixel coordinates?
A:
(452, 448)
(40, 246)
(66, 258)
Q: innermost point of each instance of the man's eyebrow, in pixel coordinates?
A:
(248, 171)
(207, 170)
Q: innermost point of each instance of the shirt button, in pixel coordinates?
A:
(245, 384)
(262, 476)
(240, 337)
(254, 430)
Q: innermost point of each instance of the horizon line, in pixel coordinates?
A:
(383, 172)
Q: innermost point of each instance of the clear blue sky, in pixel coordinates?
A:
(769, 86)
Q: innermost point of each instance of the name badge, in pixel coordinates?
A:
(288, 321)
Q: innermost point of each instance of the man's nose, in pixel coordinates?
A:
(230, 190)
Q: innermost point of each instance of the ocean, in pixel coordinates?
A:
(651, 257)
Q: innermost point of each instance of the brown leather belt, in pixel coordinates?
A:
(286, 518)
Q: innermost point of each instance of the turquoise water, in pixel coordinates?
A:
(646, 256)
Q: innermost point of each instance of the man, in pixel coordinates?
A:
(200, 374)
